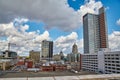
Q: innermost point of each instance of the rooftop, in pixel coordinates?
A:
(77, 77)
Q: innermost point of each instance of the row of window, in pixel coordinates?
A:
(113, 62)
(90, 67)
(89, 62)
(109, 71)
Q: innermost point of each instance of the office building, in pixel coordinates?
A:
(75, 55)
(95, 32)
(103, 29)
(61, 55)
(47, 49)
(35, 56)
(74, 49)
(74, 58)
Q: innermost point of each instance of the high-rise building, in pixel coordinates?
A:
(47, 49)
(74, 49)
(95, 32)
(61, 55)
(103, 29)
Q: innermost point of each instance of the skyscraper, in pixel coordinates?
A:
(95, 32)
(103, 29)
(74, 49)
(47, 49)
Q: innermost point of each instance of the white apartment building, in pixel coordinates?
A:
(112, 62)
(103, 62)
(90, 62)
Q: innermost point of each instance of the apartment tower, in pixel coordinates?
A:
(95, 32)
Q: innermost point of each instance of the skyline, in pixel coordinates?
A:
(60, 22)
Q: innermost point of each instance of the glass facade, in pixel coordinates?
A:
(95, 33)
(47, 49)
(90, 22)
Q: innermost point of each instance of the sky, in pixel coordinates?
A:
(26, 23)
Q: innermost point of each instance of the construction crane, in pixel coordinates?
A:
(9, 44)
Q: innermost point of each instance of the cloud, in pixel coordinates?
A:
(114, 40)
(73, 0)
(65, 43)
(118, 22)
(90, 6)
(21, 40)
(51, 12)
(44, 36)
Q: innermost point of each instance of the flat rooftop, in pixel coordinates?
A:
(77, 77)
(42, 74)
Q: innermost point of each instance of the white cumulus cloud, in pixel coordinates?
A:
(21, 40)
(65, 43)
(118, 22)
(90, 6)
(53, 13)
(114, 40)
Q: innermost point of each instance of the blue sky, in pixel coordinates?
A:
(56, 20)
(112, 15)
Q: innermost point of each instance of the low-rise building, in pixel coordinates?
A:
(5, 64)
(35, 56)
(57, 57)
(101, 62)
(112, 62)
(89, 62)
(8, 54)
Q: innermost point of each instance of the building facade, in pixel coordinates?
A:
(35, 56)
(112, 62)
(89, 62)
(95, 32)
(75, 55)
(61, 55)
(74, 49)
(8, 54)
(56, 57)
(103, 29)
(47, 49)
(101, 62)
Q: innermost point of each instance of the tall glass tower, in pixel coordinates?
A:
(95, 32)
(47, 49)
